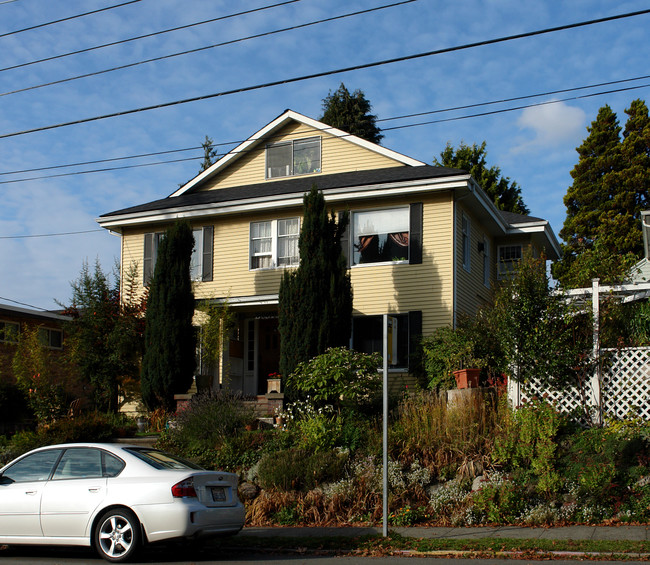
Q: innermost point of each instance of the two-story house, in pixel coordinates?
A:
(424, 243)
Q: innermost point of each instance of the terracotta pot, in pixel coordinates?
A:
(467, 378)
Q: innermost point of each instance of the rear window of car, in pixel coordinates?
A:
(161, 460)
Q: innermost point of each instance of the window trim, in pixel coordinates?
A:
(466, 242)
(506, 268)
(48, 342)
(408, 209)
(292, 165)
(273, 254)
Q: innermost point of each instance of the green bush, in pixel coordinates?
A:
(296, 469)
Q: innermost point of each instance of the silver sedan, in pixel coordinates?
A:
(114, 497)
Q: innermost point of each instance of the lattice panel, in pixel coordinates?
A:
(626, 384)
(625, 387)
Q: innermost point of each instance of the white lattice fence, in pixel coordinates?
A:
(626, 383)
(625, 387)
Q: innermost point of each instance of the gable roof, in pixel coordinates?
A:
(270, 129)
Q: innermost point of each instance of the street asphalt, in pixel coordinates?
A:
(623, 533)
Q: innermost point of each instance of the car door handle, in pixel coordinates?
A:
(31, 492)
(94, 489)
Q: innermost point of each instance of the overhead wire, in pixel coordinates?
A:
(204, 48)
(147, 35)
(68, 18)
(405, 116)
(321, 74)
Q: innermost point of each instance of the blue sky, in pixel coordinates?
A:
(534, 146)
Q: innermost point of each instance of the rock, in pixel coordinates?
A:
(248, 491)
(476, 483)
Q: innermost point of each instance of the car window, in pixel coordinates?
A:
(79, 464)
(35, 467)
(162, 460)
(112, 465)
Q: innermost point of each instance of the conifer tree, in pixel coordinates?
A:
(351, 113)
(170, 341)
(315, 301)
(505, 194)
(602, 230)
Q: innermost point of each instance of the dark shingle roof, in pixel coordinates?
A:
(293, 185)
(512, 218)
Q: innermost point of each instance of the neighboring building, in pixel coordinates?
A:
(424, 244)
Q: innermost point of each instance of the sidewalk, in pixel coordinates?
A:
(622, 533)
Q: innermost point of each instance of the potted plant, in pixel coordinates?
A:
(449, 359)
(273, 383)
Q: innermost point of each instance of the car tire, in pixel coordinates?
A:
(117, 535)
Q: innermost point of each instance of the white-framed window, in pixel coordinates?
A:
(380, 236)
(296, 157)
(202, 256)
(466, 242)
(486, 262)
(274, 243)
(508, 257)
(151, 243)
(9, 332)
(52, 338)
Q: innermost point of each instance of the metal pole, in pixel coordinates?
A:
(385, 429)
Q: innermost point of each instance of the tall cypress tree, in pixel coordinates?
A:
(170, 342)
(315, 301)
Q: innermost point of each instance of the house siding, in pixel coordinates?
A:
(337, 156)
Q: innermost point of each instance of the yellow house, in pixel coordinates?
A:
(424, 243)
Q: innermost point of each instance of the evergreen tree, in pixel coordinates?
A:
(315, 301)
(170, 341)
(351, 113)
(104, 339)
(505, 194)
(602, 230)
(209, 154)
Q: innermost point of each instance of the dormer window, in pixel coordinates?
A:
(290, 158)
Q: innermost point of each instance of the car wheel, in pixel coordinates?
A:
(117, 535)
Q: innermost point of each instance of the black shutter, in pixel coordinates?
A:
(415, 235)
(345, 239)
(148, 260)
(207, 259)
(415, 333)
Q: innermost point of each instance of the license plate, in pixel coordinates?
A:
(218, 494)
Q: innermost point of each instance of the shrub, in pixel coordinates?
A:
(339, 377)
(296, 469)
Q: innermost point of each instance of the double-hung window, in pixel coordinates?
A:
(9, 332)
(290, 158)
(202, 256)
(274, 243)
(509, 256)
(151, 243)
(466, 242)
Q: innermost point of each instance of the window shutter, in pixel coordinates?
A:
(207, 259)
(415, 235)
(415, 333)
(147, 266)
(345, 240)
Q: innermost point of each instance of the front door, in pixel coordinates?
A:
(269, 351)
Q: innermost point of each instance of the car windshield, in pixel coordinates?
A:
(160, 460)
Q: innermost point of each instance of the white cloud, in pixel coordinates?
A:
(552, 124)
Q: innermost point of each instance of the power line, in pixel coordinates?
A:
(49, 235)
(328, 73)
(147, 35)
(37, 26)
(16, 301)
(230, 143)
(204, 48)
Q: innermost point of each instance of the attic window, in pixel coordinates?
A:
(290, 158)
